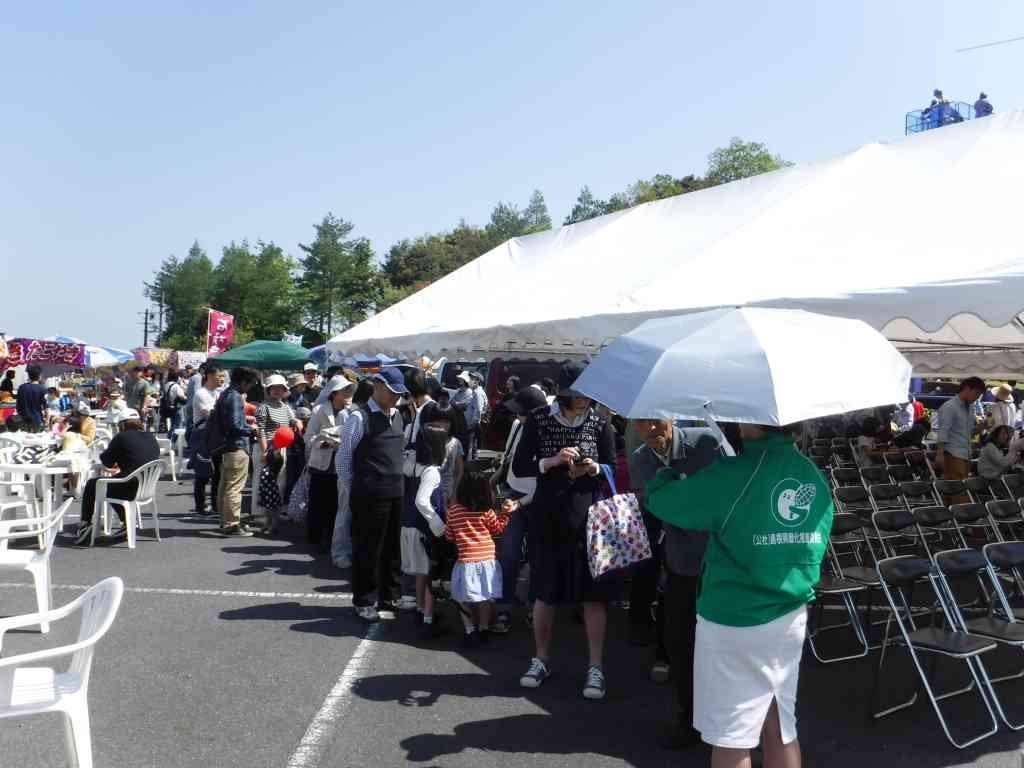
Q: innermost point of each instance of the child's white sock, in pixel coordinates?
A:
(428, 619)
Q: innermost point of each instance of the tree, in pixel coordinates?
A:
(506, 222)
(587, 207)
(535, 216)
(183, 287)
(739, 160)
(339, 283)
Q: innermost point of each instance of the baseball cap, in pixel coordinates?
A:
(394, 379)
(465, 376)
(310, 367)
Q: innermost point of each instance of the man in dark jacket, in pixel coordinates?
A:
(229, 435)
(687, 452)
(130, 449)
(372, 485)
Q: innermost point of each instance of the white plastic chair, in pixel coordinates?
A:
(145, 495)
(168, 456)
(35, 561)
(28, 687)
(15, 492)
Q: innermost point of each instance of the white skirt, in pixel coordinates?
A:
(737, 671)
(415, 561)
(476, 582)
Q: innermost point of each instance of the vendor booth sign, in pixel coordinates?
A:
(220, 332)
(40, 352)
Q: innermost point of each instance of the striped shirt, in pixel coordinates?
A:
(270, 417)
(474, 532)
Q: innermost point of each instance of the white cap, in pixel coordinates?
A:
(464, 376)
(125, 414)
(275, 380)
(310, 367)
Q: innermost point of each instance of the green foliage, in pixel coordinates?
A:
(339, 284)
(183, 288)
(740, 160)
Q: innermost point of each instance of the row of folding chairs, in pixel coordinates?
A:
(941, 554)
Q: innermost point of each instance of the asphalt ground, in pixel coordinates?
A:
(247, 653)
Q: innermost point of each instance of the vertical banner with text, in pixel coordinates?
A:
(220, 331)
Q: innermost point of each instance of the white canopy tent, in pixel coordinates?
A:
(918, 238)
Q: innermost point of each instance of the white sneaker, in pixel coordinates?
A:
(367, 613)
(407, 603)
(594, 687)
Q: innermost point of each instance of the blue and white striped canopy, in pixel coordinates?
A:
(97, 357)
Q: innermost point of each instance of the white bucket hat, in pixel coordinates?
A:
(275, 380)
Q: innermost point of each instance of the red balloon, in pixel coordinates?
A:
(250, 409)
(283, 437)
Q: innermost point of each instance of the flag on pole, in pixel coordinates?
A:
(220, 332)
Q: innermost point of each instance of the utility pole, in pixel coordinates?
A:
(145, 328)
(160, 324)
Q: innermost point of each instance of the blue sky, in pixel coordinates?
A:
(130, 129)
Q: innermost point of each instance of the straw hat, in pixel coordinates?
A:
(1004, 393)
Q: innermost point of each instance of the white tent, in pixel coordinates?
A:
(914, 237)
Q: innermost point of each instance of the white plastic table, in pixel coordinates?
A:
(47, 477)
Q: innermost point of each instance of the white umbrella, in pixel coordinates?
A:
(749, 365)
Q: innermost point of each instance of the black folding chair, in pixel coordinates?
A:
(974, 518)
(875, 476)
(980, 489)
(1014, 485)
(845, 476)
(902, 474)
(834, 583)
(853, 499)
(842, 456)
(898, 577)
(951, 491)
(1005, 515)
(919, 493)
(918, 461)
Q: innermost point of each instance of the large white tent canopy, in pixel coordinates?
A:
(920, 238)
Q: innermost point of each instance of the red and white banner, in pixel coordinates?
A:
(220, 332)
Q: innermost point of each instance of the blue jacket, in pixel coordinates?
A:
(230, 412)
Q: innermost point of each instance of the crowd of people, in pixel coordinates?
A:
(378, 470)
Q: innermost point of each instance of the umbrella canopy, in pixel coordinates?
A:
(265, 355)
(97, 357)
(749, 365)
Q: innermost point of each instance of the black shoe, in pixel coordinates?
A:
(386, 605)
(83, 534)
(471, 640)
(236, 532)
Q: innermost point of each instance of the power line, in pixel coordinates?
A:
(989, 45)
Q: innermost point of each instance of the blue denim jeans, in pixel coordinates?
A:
(510, 555)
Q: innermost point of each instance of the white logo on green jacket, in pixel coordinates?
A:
(791, 502)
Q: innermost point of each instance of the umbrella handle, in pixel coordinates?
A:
(723, 442)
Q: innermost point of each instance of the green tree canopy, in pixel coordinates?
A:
(739, 160)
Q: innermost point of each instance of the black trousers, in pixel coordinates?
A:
(375, 546)
(116, 491)
(680, 632)
(199, 488)
(323, 508)
(644, 587)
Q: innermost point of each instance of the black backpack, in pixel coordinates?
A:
(168, 406)
(214, 436)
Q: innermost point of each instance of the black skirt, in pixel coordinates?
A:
(559, 571)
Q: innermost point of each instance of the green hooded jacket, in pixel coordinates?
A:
(769, 512)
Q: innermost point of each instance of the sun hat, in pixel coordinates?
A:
(310, 367)
(296, 380)
(394, 380)
(526, 400)
(1004, 393)
(567, 375)
(275, 380)
(336, 384)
